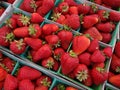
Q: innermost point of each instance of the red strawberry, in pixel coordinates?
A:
(1, 56)
(42, 53)
(80, 44)
(18, 46)
(34, 43)
(114, 16)
(48, 29)
(58, 52)
(26, 84)
(26, 72)
(36, 18)
(110, 74)
(115, 64)
(10, 1)
(89, 21)
(103, 15)
(70, 88)
(94, 45)
(1, 10)
(69, 61)
(94, 33)
(93, 9)
(65, 38)
(117, 49)
(95, 55)
(99, 75)
(102, 65)
(105, 27)
(107, 51)
(1, 85)
(106, 37)
(11, 83)
(63, 7)
(73, 10)
(81, 72)
(11, 22)
(84, 58)
(41, 88)
(71, 2)
(44, 81)
(3, 74)
(83, 9)
(97, 1)
(53, 40)
(115, 80)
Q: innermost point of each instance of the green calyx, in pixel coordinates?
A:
(81, 18)
(20, 44)
(32, 30)
(29, 56)
(50, 64)
(117, 69)
(25, 20)
(82, 75)
(9, 37)
(45, 82)
(65, 8)
(55, 16)
(101, 70)
(33, 5)
(3, 66)
(72, 54)
(94, 7)
(61, 87)
(106, 14)
(8, 23)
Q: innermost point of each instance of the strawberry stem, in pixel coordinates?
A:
(32, 30)
(50, 64)
(33, 5)
(60, 87)
(9, 37)
(45, 82)
(25, 20)
(118, 70)
(72, 54)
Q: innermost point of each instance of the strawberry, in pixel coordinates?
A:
(1, 56)
(58, 52)
(80, 44)
(110, 74)
(41, 88)
(83, 9)
(70, 88)
(94, 33)
(34, 43)
(115, 64)
(48, 29)
(53, 40)
(71, 2)
(73, 21)
(105, 27)
(95, 55)
(10, 1)
(1, 85)
(102, 65)
(42, 53)
(3, 74)
(115, 80)
(26, 84)
(44, 81)
(97, 1)
(99, 75)
(81, 72)
(11, 83)
(93, 9)
(94, 45)
(18, 46)
(114, 16)
(49, 63)
(106, 37)
(69, 61)
(63, 7)
(73, 10)
(36, 18)
(117, 48)
(11, 22)
(1, 10)
(103, 15)
(84, 58)
(89, 21)
(107, 51)
(65, 38)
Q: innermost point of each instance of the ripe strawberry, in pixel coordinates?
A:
(117, 49)
(1, 10)
(69, 61)
(10, 1)
(42, 53)
(110, 74)
(105, 27)
(115, 80)
(36, 18)
(3, 74)
(99, 75)
(1, 85)
(83, 9)
(84, 58)
(97, 1)
(44, 81)
(65, 38)
(18, 46)
(70, 88)
(73, 21)
(58, 52)
(94, 45)
(11, 83)
(94, 33)
(80, 44)
(53, 40)
(107, 51)
(71, 2)
(26, 72)
(103, 15)
(41, 88)
(106, 37)
(93, 9)
(95, 55)
(89, 21)
(81, 72)
(48, 29)
(26, 84)
(114, 16)
(73, 10)
(39, 3)
(11, 22)
(34, 43)
(115, 64)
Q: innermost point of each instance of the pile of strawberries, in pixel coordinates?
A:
(114, 74)
(2, 9)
